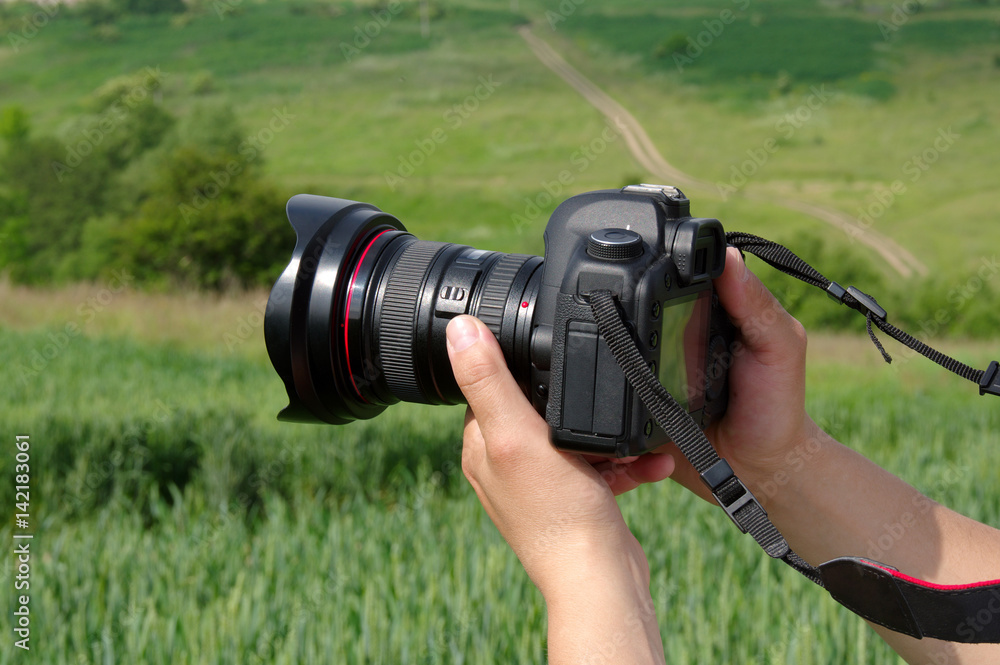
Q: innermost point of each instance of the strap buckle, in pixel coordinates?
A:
(736, 495)
(990, 383)
(863, 302)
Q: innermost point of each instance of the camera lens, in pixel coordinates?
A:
(357, 320)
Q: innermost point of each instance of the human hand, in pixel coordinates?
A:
(551, 506)
(558, 512)
(766, 418)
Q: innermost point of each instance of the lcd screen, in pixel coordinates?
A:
(683, 348)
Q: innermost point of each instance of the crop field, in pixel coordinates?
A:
(176, 521)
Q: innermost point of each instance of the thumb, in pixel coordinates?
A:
(482, 375)
(766, 328)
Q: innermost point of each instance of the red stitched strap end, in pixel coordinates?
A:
(881, 594)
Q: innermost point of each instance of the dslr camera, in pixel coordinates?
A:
(357, 320)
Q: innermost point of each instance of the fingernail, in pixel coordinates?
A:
(744, 273)
(462, 333)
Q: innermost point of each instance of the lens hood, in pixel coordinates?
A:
(306, 302)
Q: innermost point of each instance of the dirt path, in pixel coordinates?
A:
(645, 152)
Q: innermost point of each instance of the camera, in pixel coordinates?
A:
(356, 321)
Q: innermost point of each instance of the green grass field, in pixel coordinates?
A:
(177, 521)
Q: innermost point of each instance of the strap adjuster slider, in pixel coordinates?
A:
(735, 497)
(861, 301)
(866, 304)
(836, 292)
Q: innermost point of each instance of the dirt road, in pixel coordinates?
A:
(646, 154)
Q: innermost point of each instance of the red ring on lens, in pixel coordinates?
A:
(347, 310)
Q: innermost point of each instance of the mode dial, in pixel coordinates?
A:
(614, 244)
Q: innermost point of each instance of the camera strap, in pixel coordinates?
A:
(874, 591)
(786, 261)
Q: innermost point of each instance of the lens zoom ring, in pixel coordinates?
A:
(397, 325)
(497, 289)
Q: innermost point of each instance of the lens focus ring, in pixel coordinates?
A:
(493, 303)
(397, 326)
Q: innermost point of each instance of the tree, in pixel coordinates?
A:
(52, 187)
(209, 220)
(46, 205)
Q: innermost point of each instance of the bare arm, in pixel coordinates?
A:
(558, 513)
(840, 503)
(828, 500)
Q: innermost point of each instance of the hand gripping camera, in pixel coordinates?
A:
(357, 320)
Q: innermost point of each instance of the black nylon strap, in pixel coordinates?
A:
(734, 497)
(878, 593)
(787, 262)
(777, 256)
(949, 363)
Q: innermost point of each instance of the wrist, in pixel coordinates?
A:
(600, 609)
(778, 479)
(618, 565)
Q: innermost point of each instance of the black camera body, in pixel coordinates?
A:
(641, 244)
(357, 320)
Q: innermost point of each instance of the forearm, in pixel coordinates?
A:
(830, 501)
(600, 612)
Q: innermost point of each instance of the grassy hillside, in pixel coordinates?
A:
(886, 103)
(460, 131)
(358, 116)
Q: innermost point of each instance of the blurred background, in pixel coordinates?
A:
(147, 148)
